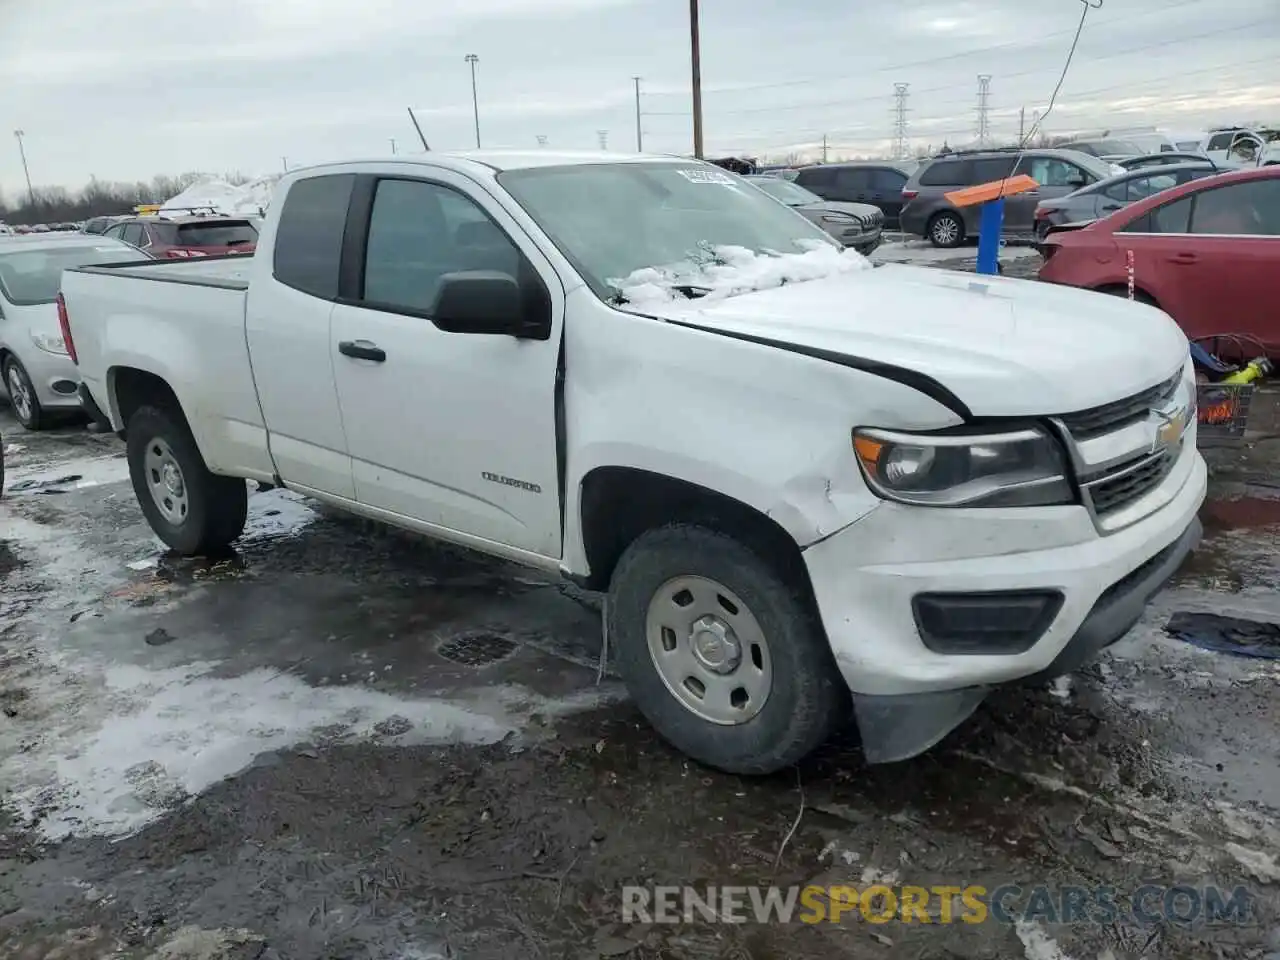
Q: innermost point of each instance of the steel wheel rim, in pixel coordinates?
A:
(20, 394)
(709, 650)
(165, 481)
(945, 230)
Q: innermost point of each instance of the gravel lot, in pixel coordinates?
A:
(341, 742)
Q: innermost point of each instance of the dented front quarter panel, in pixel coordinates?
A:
(767, 427)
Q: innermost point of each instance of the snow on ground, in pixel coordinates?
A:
(249, 200)
(922, 251)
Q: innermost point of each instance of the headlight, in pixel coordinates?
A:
(1019, 469)
(838, 218)
(50, 342)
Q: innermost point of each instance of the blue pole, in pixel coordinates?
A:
(989, 236)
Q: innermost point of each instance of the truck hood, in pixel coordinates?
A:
(1004, 347)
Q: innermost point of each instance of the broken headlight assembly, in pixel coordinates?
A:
(1022, 468)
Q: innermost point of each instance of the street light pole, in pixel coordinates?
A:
(393, 146)
(472, 59)
(639, 135)
(22, 152)
(697, 78)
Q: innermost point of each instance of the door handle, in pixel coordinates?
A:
(1111, 206)
(362, 350)
(1184, 258)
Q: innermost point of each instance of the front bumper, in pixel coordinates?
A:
(908, 696)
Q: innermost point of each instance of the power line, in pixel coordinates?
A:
(900, 94)
(1128, 86)
(1145, 14)
(1003, 76)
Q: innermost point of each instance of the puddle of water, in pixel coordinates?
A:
(1247, 512)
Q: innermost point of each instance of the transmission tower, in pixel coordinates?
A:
(542, 139)
(603, 135)
(984, 109)
(900, 95)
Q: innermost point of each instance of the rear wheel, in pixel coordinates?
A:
(722, 655)
(22, 395)
(191, 509)
(946, 229)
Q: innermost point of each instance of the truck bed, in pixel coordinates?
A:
(230, 272)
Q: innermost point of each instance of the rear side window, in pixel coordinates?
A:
(308, 246)
(218, 233)
(885, 180)
(994, 168)
(854, 179)
(945, 173)
(816, 177)
(1170, 218)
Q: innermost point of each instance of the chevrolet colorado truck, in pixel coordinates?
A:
(811, 488)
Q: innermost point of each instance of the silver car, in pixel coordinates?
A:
(39, 377)
(857, 225)
(1107, 196)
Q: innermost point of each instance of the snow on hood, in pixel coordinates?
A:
(731, 270)
(249, 200)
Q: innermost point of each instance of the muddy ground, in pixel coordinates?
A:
(341, 742)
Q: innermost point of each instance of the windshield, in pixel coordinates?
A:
(32, 276)
(786, 191)
(613, 219)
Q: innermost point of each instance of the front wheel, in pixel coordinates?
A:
(191, 509)
(722, 655)
(946, 230)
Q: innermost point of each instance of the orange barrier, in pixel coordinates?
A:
(984, 192)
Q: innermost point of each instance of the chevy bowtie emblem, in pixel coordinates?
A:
(1170, 429)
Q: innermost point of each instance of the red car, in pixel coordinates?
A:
(1206, 252)
(186, 236)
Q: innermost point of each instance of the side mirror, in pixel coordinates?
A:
(487, 301)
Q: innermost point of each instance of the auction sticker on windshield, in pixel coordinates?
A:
(706, 176)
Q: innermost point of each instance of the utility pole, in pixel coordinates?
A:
(22, 152)
(824, 148)
(639, 135)
(900, 94)
(603, 136)
(1022, 124)
(472, 59)
(393, 146)
(542, 139)
(284, 162)
(984, 108)
(697, 78)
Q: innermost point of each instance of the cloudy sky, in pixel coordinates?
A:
(130, 88)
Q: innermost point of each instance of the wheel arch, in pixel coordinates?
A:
(617, 504)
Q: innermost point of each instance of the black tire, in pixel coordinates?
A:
(217, 506)
(35, 418)
(807, 700)
(939, 223)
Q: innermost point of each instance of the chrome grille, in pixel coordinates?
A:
(1127, 483)
(1096, 421)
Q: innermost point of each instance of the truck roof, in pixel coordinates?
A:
(501, 160)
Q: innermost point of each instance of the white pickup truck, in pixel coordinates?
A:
(805, 483)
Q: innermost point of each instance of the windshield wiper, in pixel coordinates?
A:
(688, 290)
